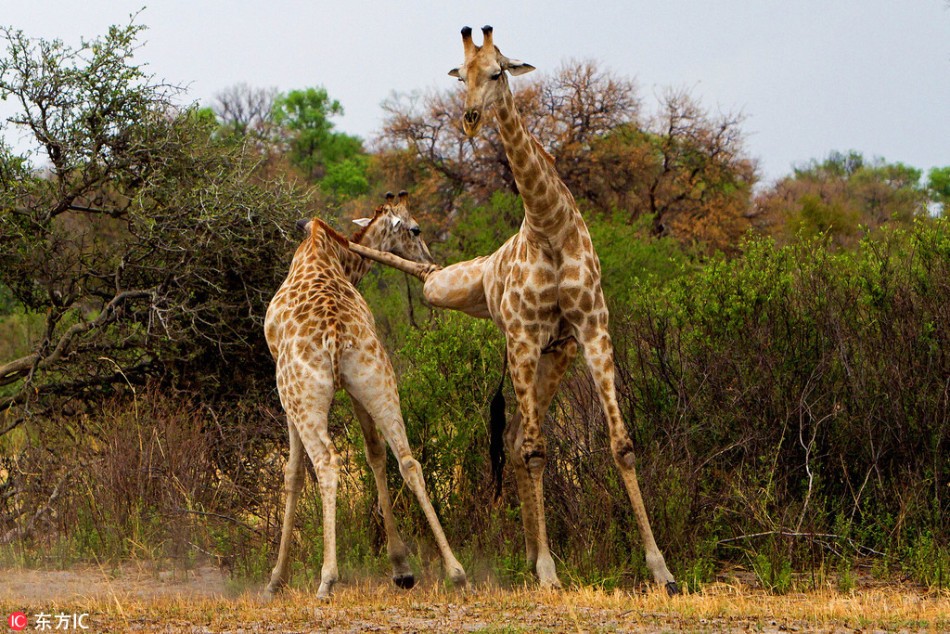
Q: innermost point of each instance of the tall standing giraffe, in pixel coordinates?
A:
(322, 336)
(542, 289)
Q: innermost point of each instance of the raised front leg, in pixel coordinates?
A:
(376, 457)
(598, 351)
(459, 287)
(553, 364)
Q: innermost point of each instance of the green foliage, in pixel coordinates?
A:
(347, 178)
(938, 183)
(149, 246)
(815, 218)
(630, 258)
(314, 145)
(451, 373)
(774, 573)
(926, 559)
(789, 375)
(483, 228)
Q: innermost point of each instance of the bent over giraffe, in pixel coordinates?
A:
(542, 289)
(322, 336)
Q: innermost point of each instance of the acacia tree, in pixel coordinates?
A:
(685, 167)
(422, 139)
(144, 240)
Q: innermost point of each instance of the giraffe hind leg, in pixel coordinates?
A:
(294, 474)
(373, 384)
(306, 392)
(376, 457)
(551, 368)
(523, 361)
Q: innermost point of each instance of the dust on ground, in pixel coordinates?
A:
(145, 598)
(128, 581)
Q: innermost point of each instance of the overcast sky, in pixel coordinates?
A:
(810, 75)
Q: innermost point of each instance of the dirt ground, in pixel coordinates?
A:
(141, 598)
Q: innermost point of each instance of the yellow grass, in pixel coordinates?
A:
(124, 601)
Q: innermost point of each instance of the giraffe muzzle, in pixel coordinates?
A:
(471, 121)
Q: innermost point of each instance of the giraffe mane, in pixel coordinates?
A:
(543, 152)
(331, 232)
(359, 235)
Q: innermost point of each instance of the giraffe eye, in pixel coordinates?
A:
(415, 231)
(496, 76)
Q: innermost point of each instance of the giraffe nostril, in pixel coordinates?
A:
(472, 116)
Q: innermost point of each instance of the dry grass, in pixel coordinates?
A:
(202, 601)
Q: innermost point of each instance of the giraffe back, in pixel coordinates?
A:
(317, 310)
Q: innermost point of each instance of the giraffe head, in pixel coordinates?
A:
(393, 229)
(483, 73)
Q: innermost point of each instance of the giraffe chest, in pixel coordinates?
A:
(522, 291)
(548, 292)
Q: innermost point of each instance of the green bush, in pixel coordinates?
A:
(794, 385)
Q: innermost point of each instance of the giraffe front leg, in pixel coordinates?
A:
(598, 351)
(376, 457)
(294, 475)
(514, 439)
(459, 287)
(523, 358)
(551, 368)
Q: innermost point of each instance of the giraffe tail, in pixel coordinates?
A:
(496, 439)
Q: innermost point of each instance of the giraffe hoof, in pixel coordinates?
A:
(323, 593)
(404, 581)
(672, 589)
(272, 590)
(458, 578)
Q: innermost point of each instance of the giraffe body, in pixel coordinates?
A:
(321, 334)
(542, 289)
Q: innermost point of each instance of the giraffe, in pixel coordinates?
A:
(542, 289)
(322, 336)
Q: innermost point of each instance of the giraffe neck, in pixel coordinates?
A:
(355, 266)
(548, 204)
(329, 246)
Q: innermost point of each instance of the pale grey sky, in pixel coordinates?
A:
(811, 75)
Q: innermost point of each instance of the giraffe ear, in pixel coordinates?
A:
(363, 222)
(517, 67)
(395, 220)
(455, 72)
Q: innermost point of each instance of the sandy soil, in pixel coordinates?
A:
(130, 581)
(140, 598)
